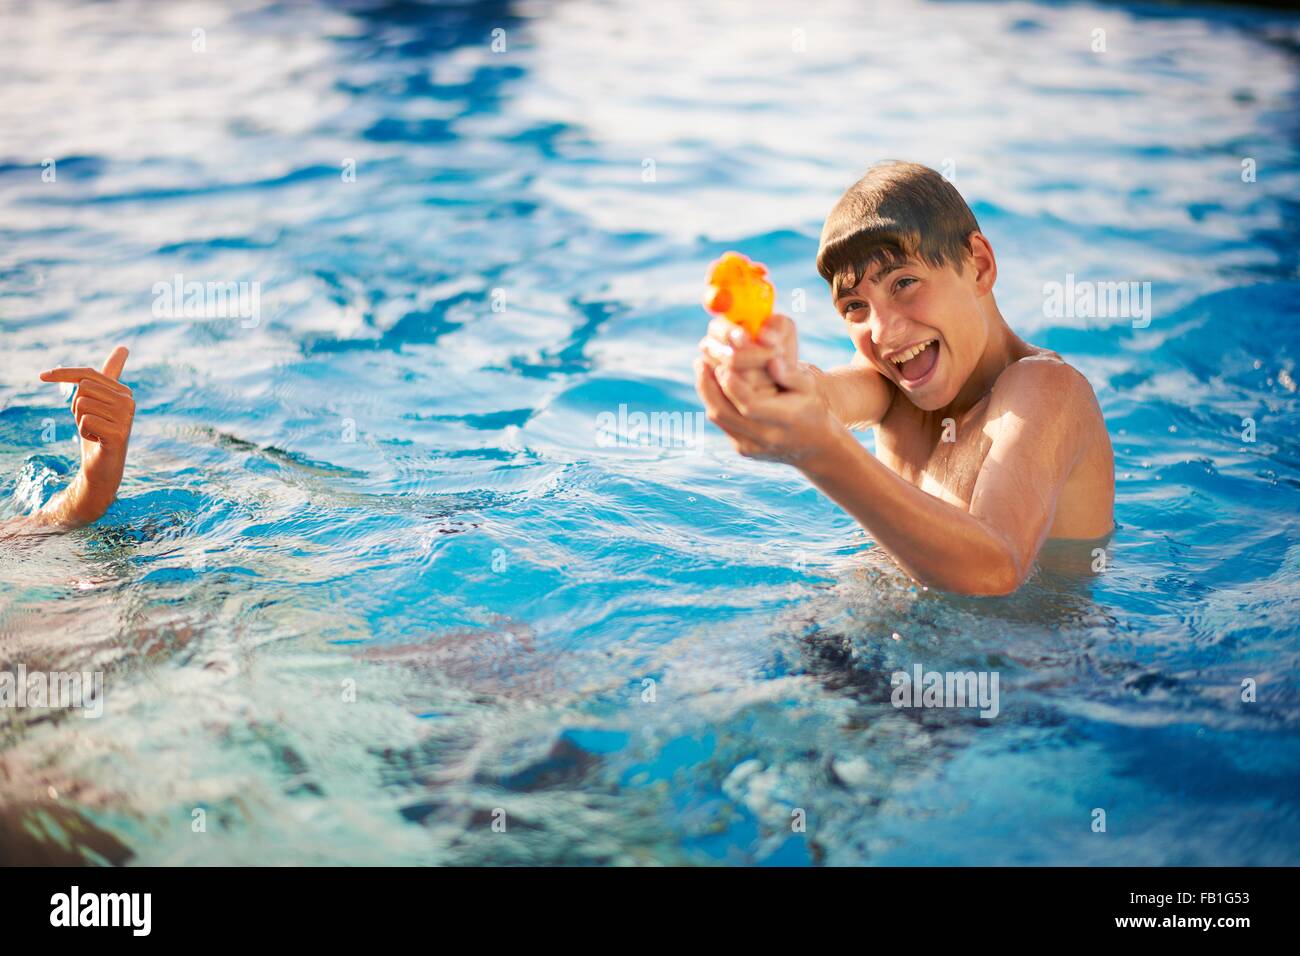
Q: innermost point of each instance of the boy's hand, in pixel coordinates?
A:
(760, 363)
(764, 421)
(778, 334)
(729, 346)
(104, 410)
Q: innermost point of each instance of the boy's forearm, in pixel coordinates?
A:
(76, 505)
(831, 389)
(937, 543)
(842, 391)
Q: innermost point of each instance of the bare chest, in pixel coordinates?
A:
(941, 457)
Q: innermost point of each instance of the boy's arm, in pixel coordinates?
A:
(1037, 429)
(1036, 417)
(857, 395)
(103, 409)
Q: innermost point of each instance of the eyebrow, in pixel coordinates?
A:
(885, 270)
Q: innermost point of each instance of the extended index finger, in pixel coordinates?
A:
(80, 374)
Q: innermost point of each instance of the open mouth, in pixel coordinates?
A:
(917, 363)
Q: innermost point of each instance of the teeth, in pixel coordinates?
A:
(911, 353)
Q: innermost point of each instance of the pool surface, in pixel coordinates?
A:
(393, 561)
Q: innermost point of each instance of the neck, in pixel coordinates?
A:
(1001, 349)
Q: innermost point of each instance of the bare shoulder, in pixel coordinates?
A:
(1043, 377)
(1041, 394)
(1048, 408)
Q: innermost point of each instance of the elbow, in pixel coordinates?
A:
(999, 586)
(1001, 577)
(1002, 569)
(993, 577)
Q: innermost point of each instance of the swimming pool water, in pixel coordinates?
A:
(376, 572)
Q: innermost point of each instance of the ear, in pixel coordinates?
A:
(986, 266)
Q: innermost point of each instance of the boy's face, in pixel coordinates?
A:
(898, 308)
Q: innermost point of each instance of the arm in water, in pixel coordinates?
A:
(103, 409)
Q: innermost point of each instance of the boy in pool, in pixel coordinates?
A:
(103, 410)
(987, 446)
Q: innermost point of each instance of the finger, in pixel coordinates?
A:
(102, 392)
(728, 332)
(721, 329)
(737, 388)
(753, 395)
(713, 351)
(750, 356)
(739, 337)
(778, 334)
(779, 370)
(707, 385)
(745, 357)
(81, 374)
(718, 355)
(792, 376)
(733, 426)
(714, 356)
(775, 330)
(96, 429)
(115, 363)
(720, 410)
(85, 405)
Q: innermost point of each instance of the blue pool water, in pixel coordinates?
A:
(375, 573)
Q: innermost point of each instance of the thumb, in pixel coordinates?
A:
(790, 374)
(778, 333)
(116, 362)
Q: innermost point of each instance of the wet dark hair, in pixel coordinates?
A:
(896, 211)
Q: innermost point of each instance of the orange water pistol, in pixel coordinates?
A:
(740, 291)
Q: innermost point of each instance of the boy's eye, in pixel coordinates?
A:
(899, 285)
(853, 307)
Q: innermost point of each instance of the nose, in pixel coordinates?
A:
(887, 331)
